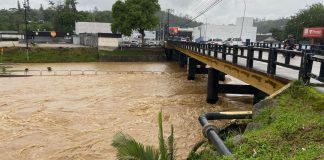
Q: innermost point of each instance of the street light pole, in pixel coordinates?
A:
(26, 2)
(243, 19)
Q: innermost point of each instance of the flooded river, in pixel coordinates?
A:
(76, 117)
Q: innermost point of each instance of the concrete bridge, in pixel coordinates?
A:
(264, 68)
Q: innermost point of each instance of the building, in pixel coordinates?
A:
(49, 37)
(10, 36)
(211, 31)
(92, 27)
(95, 34)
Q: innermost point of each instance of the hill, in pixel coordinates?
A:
(264, 26)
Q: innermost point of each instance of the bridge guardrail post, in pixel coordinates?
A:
(249, 59)
(209, 49)
(242, 51)
(224, 52)
(258, 44)
(287, 58)
(216, 50)
(235, 54)
(300, 46)
(272, 58)
(260, 54)
(307, 65)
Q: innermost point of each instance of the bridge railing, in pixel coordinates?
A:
(258, 53)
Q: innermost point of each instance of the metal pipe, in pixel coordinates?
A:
(210, 132)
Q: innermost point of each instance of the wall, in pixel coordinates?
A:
(105, 43)
(92, 27)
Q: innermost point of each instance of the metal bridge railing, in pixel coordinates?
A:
(28, 72)
(257, 53)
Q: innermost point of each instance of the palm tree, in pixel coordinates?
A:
(129, 149)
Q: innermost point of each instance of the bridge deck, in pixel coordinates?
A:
(257, 75)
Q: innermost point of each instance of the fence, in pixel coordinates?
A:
(255, 53)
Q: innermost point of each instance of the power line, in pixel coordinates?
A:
(204, 11)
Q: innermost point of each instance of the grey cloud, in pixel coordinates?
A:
(224, 13)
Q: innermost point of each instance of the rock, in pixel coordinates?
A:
(237, 140)
(252, 126)
(257, 108)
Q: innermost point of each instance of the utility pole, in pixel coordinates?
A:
(168, 23)
(26, 5)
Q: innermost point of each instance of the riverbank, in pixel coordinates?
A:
(289, 126)
(55, 55)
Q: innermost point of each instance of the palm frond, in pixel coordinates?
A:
(163, 148)
(195, 149)
(171, 149)
(129, 149)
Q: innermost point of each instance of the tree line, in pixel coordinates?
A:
(312, 16)
(61, 16)
(58, 17)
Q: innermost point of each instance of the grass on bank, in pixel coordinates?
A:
(290, 127)
(52, 55)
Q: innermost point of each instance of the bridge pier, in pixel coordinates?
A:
(182, 60)
(212, 86)
(192, 68)
(202, 68)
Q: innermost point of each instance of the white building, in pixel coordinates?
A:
(96, 34)
(92, 27)
(136, 36)
(211, 31)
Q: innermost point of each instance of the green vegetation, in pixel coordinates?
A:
(49, 55)
(291, 126)
(312, 16)
(61, 17)
(264, 26)
(128, 149)
(136, 15)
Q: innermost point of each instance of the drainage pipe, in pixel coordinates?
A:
(210, 131)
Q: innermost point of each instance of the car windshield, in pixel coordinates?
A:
(237, 39)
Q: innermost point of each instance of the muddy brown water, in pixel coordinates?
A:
(76, 117)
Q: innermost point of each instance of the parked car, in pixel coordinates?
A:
(234, 41)
(134, 44)
(183, 39)
(216, 41)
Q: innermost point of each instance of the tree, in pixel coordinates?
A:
(313, 16)
(136, 15)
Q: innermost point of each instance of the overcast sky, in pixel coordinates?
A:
(225, 12)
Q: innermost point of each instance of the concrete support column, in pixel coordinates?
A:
(182, 60)
(192, 68)
(213, 86)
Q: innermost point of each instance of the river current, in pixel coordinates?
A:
(76, 117)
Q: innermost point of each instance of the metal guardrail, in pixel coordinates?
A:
(248, 52)
(70, 72)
